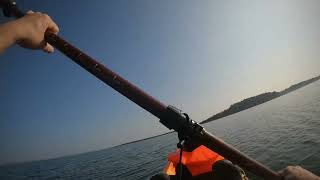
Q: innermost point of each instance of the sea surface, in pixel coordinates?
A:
(284, 131)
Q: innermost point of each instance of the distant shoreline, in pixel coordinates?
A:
(257, 100)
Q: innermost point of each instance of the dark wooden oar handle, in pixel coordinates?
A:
(141, 98)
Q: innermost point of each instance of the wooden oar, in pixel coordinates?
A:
(168, 115)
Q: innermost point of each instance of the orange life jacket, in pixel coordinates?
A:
(198, 161)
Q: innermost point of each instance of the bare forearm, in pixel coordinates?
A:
(8, 35)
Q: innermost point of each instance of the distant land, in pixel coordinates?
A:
(256, 100)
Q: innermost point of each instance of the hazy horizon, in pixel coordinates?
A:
(198, 56)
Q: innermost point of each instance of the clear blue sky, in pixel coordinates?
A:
(201, 56)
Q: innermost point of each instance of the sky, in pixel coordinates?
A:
(200, 56)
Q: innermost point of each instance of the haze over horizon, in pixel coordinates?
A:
(200, 56)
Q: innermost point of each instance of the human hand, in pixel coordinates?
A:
(31, 28)
(297, 173)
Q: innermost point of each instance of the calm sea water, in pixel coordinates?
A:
(282, 132)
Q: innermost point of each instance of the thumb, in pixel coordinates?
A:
(48, 48)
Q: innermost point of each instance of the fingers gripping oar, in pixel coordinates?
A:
(169, 116)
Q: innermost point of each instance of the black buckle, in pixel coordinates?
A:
(173, 118)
